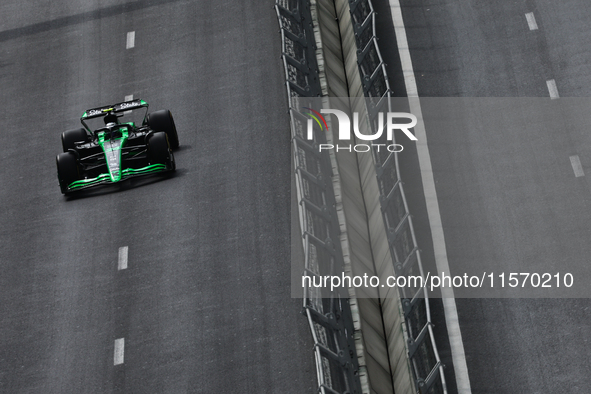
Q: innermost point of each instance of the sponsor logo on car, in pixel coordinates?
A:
(131, 104)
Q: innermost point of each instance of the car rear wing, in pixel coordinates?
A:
(124, 106)
(115, 108)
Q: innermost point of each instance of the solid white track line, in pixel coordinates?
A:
(449, 303)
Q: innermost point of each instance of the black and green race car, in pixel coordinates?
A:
(114, 150)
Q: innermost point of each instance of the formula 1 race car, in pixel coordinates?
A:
(110, 151)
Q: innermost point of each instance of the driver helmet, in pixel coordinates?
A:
(110, 120)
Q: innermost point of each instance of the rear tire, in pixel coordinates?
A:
(70, 137)
(162, 121)
(68, 170)
(159, 149)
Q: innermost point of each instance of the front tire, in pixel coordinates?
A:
(162, 121)
(68, 170)
(159, 150)
(70, 137)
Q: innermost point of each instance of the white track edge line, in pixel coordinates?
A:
(449, 304)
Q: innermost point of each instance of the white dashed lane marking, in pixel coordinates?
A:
(577, 167)
(531, 21)
(552, 89)
(130, 40)
(122, 261)
(119, 351)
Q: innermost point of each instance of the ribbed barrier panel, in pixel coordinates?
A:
(409, 330)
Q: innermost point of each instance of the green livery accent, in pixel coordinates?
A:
(107, 178)
(112, 149)
(83, 167)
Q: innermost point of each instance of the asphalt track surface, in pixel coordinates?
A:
(204, 305)
(486, 49)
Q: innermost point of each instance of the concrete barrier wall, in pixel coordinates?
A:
(380, 332)
(392, 315)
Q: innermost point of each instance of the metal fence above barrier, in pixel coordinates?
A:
(422, 349)
(328, 312)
